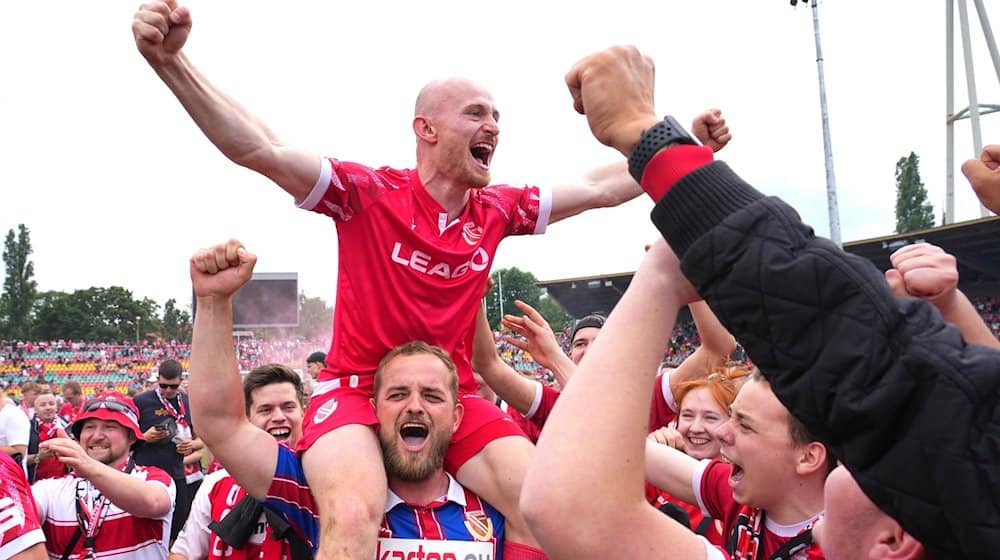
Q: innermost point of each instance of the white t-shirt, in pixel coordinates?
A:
(15, 429)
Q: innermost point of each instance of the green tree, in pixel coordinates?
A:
(913, 212)
(554, 313)
(106, 314)
(315, 318)
(176, 322)
(510, 284)
(19, 286)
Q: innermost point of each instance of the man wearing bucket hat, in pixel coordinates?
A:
(109, 506)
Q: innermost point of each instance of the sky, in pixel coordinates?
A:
(119, 187)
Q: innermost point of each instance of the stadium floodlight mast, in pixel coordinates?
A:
(831, 180)
(975, 109)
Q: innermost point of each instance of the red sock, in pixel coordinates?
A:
(518, 551)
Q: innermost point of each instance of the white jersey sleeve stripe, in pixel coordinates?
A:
(711, 551)
(544, 210)
(536, 402)
(696, 475)
(322, 184)
(22, 543)
(668, 395)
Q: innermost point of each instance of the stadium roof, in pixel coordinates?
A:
(975, 243)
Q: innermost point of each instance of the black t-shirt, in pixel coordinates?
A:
(163, 453)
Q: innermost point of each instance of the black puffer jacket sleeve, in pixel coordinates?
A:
(911, 409)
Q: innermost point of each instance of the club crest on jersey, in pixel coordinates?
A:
(479, 524)
(324, 412)
(472, 233)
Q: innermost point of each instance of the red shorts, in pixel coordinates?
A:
(482, 422)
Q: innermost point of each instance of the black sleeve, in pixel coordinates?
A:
(147, 414)
(33, 437)
(911, 409)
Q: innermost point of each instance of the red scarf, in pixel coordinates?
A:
(177, 413)
(50, 467)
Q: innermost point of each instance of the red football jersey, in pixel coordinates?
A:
(19, 525)
(715, 496)
(404, 271)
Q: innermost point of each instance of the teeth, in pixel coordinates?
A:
(483, 146)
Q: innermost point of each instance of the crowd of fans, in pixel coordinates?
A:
(128, 365)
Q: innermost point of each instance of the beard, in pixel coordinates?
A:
(413, 467)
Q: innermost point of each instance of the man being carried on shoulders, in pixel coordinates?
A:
(416, 403)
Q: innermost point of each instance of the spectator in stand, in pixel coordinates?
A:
(44, 426)
(152, 381)
(21, 536)
(72, 393)
(15, 430)
(315, 363)
(984, 176)
(29, 390)
(109, 390)
(165, 420)
(109, 507)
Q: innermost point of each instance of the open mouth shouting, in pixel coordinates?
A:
(736, 476)
(482, 152)
(414, 435)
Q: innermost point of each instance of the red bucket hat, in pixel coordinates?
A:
(110, 407)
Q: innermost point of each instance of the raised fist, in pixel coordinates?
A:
(221, 270)
(160, 30)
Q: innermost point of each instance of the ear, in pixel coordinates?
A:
(812, 458)
(424, 129)
(459, 413)
(893, 543)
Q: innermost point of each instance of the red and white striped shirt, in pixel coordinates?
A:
(121, 536)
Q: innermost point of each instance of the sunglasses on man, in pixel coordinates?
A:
(115, 406)
(169, 385)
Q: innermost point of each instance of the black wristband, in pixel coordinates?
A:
(664, 133)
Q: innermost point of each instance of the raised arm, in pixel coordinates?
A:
(505, 382)
(671, 470)
(217, 405)
(716, 346)
(610, 428)
(611, 185)
(926, 271)
(160, 30)
(539, 341)
(821, 325)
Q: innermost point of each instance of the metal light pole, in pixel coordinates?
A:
(831, 180)
(975, 109)
(137, 319)
(500, 291)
